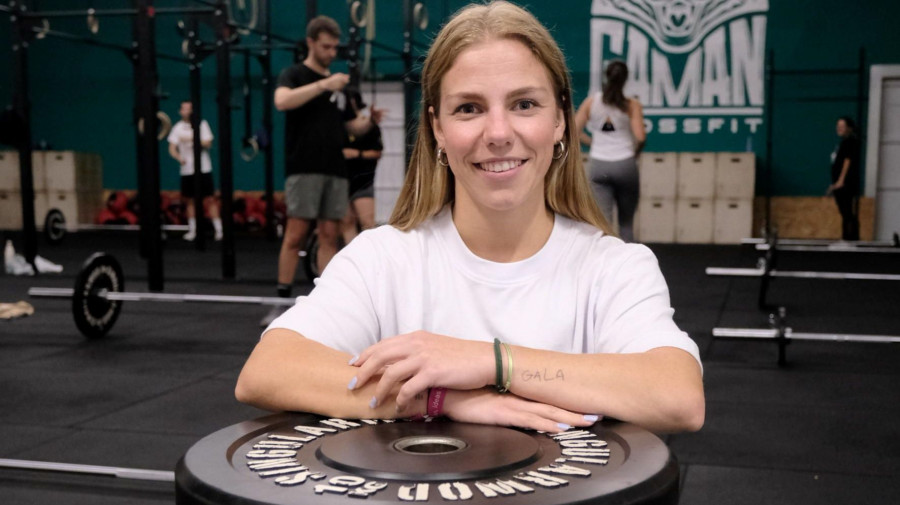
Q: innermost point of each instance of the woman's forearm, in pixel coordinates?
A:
(287, 372)
(661, 389)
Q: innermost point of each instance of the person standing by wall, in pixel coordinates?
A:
(316, 183)
(617, 136)
(845, 177)
(181, 148)
(362, 154)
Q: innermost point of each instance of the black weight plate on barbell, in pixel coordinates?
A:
(95, 316)
(310, 259)
(55, 226)
(295, 458)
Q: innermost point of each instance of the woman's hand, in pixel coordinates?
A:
(423, 360)
(486, 406)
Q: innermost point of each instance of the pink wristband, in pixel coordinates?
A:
(435, 406)
(425, 416)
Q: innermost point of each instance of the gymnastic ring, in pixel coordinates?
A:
(165, 125)
(93, 23)
(420, 15)
(42, 32)
(253, 145)
(355, 7)
(244, 26)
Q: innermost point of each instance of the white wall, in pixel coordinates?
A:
(392, 166)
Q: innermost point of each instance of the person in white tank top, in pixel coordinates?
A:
(617, 135)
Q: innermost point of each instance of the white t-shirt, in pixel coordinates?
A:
(583, 292)
(610, 127)
(182, 135)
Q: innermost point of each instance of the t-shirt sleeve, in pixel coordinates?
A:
(205, 132)
(632, 311)
(843, 153)
(339, 312)
(288, 78)
(173, 134)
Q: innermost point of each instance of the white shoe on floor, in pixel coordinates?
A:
(17, 265)
(45, 266)
(190, 236)
(218, 236)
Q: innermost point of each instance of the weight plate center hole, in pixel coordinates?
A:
(429, 445)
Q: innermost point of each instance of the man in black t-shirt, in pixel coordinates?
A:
(315, 132)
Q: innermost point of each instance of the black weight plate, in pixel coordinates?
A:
(55, 226)
(309, 260)
(298, 458)
(95, 316)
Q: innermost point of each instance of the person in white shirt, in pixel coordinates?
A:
(495, 293)
(616, 123)
(181, 148)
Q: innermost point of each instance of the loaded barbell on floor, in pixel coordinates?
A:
(762, 271)
(99, 293)
(766, 270)
(104, 471)
(782, 335)
(816, 245)
(56, 228)
(894, 242)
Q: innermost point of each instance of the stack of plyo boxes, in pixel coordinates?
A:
(69, 181)
(696, 198)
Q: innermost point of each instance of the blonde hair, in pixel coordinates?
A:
(428, 185)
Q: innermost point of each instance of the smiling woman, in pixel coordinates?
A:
(498, 123)
(496, 295)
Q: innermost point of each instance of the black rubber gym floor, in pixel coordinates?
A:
(822, 430)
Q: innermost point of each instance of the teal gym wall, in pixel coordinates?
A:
(82, 96)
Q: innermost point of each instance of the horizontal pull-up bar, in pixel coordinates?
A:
(78, 13)
(114, 12)
(93, 42)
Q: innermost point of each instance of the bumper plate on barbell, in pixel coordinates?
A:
(302, 458)
(93, 314)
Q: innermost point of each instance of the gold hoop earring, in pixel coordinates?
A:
(442, 159)
(561, 147)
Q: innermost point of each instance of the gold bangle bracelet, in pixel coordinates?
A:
(509, 370)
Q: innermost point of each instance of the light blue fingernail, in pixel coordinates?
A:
(563, 426)
(591, 418)
(373, 402)
(352, 383)
(353, 360)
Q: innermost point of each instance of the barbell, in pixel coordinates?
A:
(56, 228)
(818, 245)
(781, 334)
(766, 270)
(103, 471)
(99, 293)
(761, 271)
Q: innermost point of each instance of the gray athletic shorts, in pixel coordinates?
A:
(316, 196)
